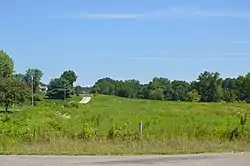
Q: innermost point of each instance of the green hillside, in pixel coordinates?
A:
(110, 125)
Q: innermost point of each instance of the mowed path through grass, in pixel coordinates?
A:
(168, 127)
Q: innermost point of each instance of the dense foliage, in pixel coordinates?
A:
(209, 87)
(59, 88)
(12, 91)
(6, 64)
(62, 88)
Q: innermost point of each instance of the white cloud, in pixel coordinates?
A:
(170, 12)
(111, 16)
(147, 58)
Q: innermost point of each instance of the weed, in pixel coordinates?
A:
(71, 104)
(239, 131)
(87, 133)
(162, 122)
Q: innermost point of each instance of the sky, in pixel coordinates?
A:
(129, 39)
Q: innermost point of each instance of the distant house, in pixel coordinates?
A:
(82, 90)
(43, 88)
(86, 90)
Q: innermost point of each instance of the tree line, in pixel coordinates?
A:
(19, 88)
(208, 87)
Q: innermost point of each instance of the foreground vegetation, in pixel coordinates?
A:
(57, 124)
(109, 125)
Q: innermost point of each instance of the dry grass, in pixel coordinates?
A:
(105, 147)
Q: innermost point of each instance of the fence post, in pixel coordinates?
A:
(140, 129)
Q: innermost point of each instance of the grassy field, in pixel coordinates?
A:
(110, 125)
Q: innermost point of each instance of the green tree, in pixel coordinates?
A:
(36, 75)
(143, 91)
(106, 86)
(19, 77)
(229, 95)
(210, 87)
(240, 88)
(157, 85)
(120, 89)
(194, 85)
(59, 88)
(157, 94)
(127, 88)
(229, 86)
(243, 88)
(12, 91)
(180, 90)
(95, 89)
(70, 76)
(6, 65)
(247, 87)
(78, 90)
(86, 89)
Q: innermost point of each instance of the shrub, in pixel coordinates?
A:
(240, 130)
(193, 96)
(87, 133)
(229, 95)
(119, 132)
(71, 104)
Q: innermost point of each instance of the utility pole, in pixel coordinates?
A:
(32, 90)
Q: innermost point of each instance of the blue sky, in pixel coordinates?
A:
(140, 39)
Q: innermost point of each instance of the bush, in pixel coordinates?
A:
(193, 96)
(119, 132)
(239, 131)
(71, 104)
(37, 97)
(229, 95)
(87, 133)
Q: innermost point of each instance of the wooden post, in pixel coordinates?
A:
(140, 129)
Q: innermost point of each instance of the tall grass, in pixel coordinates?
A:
(115, 119)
